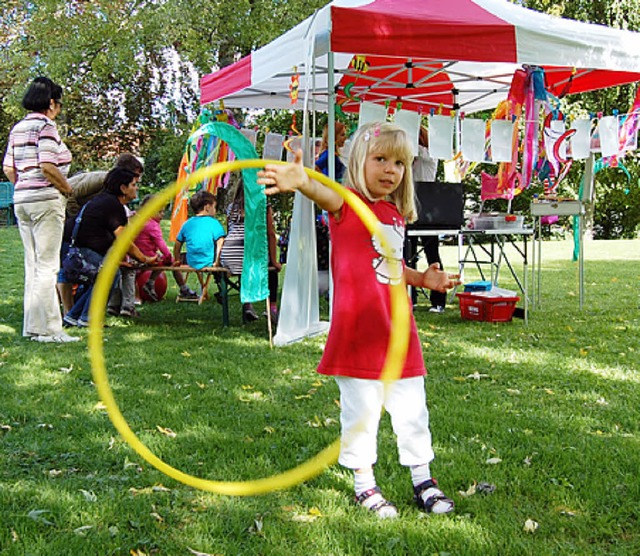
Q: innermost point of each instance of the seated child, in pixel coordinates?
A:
(123, 293)
(151, 242)
(202, 234)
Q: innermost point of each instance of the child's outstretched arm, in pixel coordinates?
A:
(433, 278)
(282, 178)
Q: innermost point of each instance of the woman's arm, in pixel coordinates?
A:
(282, 178)
(135, 252)
(55, 177)
(11, 173)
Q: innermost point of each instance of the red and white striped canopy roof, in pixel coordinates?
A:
(421, 52)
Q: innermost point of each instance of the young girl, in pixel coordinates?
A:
(379, 172)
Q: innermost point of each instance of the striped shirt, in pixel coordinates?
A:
(32, 141)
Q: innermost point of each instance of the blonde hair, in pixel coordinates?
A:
(392, 141)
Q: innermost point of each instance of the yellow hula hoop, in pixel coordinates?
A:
(394, 361)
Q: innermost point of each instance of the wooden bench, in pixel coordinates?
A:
(227, 281)
(204, 277)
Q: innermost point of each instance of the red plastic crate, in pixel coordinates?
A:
(491, 309)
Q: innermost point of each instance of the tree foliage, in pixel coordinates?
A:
(129, 68)
(616, 213)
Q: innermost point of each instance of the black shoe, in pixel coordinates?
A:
(249, 314)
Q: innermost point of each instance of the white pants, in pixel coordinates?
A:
(361, 403)
(41, 225)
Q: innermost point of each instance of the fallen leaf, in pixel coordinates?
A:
(14, 536)
(185, 354)
(89, 496)
(196, 553)
(66, 370)
(477, 376)
(37, 515)
(54, 472)
(127, 464)
(160, 488)
(157, 516)
(5, 427)
(469, 492)
(315, 511)
(100, 406)
(166, 431)
(303, 397)
(82, 531)
(166, 375)
(304, 518)
(530, 526)
(201, 386)
(256, 528)
(269, 430)
(493, 461)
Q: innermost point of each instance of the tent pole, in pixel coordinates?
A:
(331, 99)
(456, 122)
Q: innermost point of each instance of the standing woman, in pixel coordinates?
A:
(37, 163)
(322, 162)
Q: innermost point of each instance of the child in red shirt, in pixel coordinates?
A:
(379, 172)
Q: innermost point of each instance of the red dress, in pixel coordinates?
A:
(361, 317)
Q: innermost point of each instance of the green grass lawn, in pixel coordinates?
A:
(547, 414)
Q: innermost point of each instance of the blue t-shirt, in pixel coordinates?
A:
(322, 163)
(200, 234)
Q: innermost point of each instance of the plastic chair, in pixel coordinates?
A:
(489, 190)
(6, 201)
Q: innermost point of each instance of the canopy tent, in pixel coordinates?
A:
(428, 55)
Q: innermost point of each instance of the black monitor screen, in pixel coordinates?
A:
(440, 205)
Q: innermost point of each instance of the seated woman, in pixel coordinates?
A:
(232, 253)
(103, 218)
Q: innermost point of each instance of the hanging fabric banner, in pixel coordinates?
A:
(472, 144)
(501, 140)
(250, 134)
(581, 140)
(410, 122)
(441, 137)
(370, 112)
(273, 146)
(608, 131)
